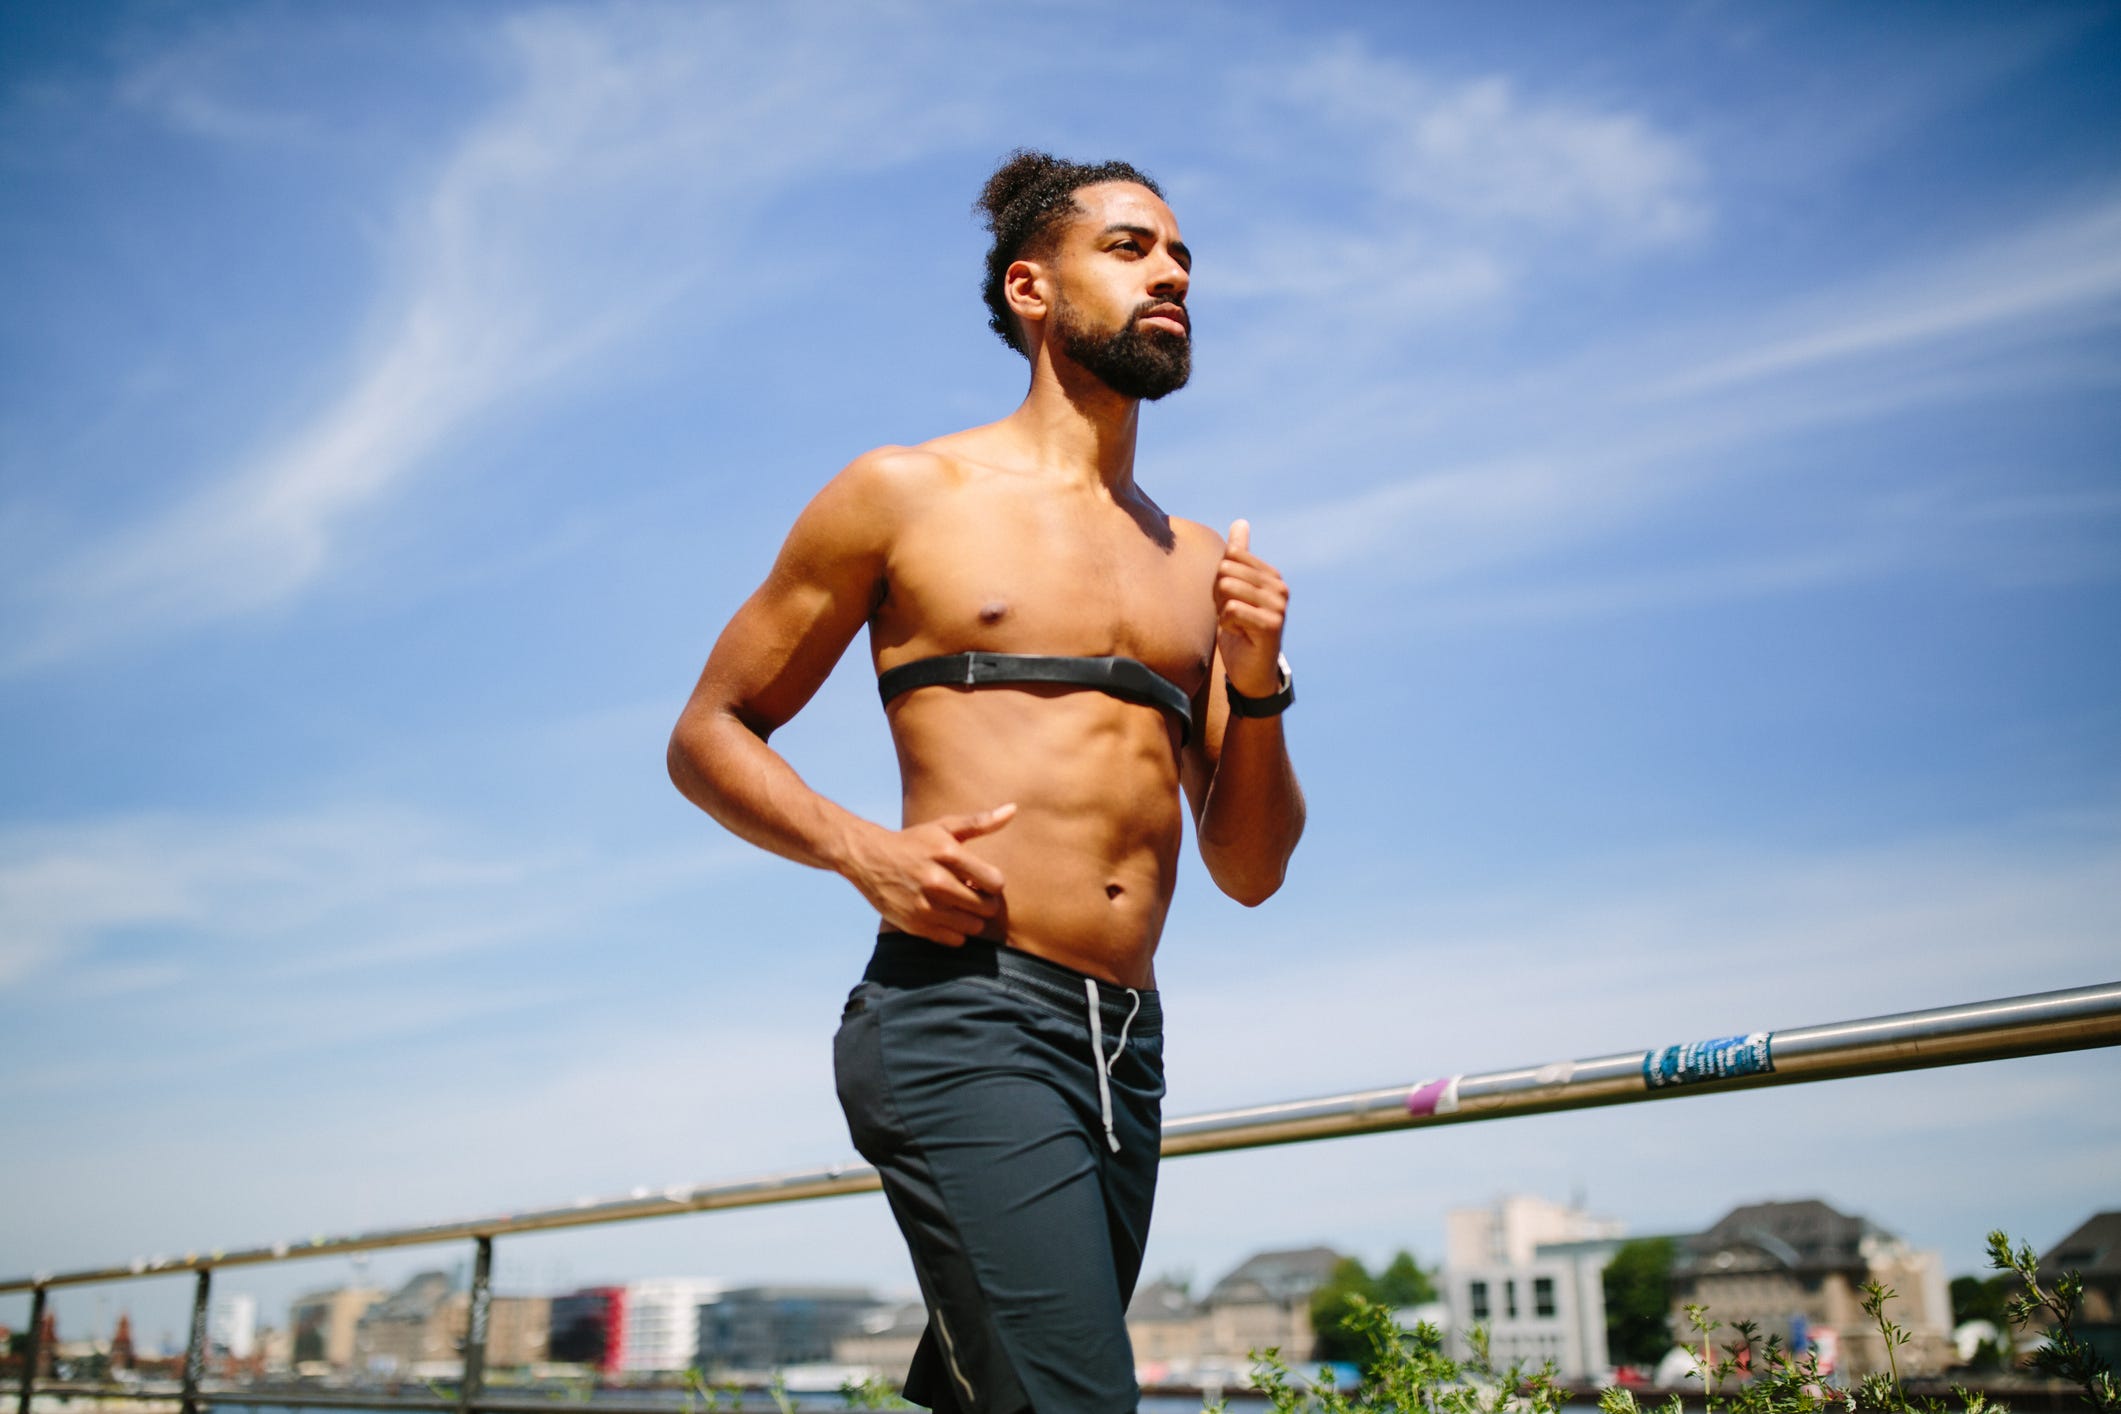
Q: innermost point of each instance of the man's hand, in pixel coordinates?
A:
(924, 881)
(1251, 602)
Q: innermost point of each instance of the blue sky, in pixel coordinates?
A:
(1689, 431)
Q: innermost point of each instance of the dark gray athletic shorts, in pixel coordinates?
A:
(971, 1079)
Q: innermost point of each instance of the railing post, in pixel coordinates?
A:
(195, 1349)
(475, 1328)
(34, 1352)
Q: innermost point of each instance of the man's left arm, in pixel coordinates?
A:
(1246, 803)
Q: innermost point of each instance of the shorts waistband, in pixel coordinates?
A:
(904, 960)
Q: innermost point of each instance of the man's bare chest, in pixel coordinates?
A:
(1006, 577)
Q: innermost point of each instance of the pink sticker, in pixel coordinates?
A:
(1433, 1097)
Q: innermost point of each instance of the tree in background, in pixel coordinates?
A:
(1983, 1299)
(1986, 1299)
(1402, 1283)
(1638, 1301)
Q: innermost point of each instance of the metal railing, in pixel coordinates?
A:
(2080, 1018)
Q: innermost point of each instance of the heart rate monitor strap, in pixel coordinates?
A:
(1121, 677)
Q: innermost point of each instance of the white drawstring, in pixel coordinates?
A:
(1097, 1047)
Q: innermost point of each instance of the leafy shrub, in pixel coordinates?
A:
(1407, 1372)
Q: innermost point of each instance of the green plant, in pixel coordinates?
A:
(702, 1395)
(1982, 1299)
(872, 1393)
(1407, 1372)
(1401, 1283)
(1751, 1376)
(573, 1389)
(2064, 1355)
(1638, 1300)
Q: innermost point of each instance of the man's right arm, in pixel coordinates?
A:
(767, 664)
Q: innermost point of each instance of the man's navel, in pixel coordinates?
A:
(993, 611)
(1113, 891)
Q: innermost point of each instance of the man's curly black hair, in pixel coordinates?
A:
(1023, 204)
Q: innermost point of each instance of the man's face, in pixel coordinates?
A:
(1120, 297)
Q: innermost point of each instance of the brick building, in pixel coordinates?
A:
(1797, 1270)
(2093, 1251)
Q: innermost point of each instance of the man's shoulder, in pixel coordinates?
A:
(893, 472)
(1197, 539)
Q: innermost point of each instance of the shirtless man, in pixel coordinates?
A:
(1060, 662)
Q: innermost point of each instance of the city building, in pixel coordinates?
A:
(1797, 1270)
(404, 1331)
(1530, 1272)
(884, 1339)
(419, 1330)
(1262, 1303)
(589, 1328)
(661, 1331)
(517, 1328)
(1510, 1231)
(2093, 1252)
(1167, 1327)
(232, 1326)
(1266, 1302)
(764, 1328)
(323, 1325)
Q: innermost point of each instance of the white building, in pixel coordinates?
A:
(1532, 1274)
(1516, 1227)
(232, 1326)
(663, 1323)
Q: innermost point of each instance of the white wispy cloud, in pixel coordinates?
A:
(1482, 150)
(331, 891)
(629, 148)
(1641, 427)
(2056, 276)
(1440, 184)
(1442, 523)
(1809, 567)
(194, 88)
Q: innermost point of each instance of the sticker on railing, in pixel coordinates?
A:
(1724, 1058)
(1434, 1097)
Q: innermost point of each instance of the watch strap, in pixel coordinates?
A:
(1272, 705)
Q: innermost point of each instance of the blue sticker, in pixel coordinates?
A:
(1724, 1058)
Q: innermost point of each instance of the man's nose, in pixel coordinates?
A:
(1171, 281)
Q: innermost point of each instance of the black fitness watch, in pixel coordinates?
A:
(1272, 705)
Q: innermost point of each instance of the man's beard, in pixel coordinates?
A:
(1132, 361)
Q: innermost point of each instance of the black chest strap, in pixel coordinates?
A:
(1121, 677)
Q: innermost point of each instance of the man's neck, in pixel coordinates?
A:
(1075, 426)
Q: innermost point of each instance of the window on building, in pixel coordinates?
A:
(1543, 1295)
(1477, 1298)
(1509, 1298)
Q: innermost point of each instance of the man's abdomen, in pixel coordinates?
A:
(1091, 857)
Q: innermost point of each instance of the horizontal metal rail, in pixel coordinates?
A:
(2077, 1019)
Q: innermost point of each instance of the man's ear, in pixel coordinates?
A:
(1027, 288)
